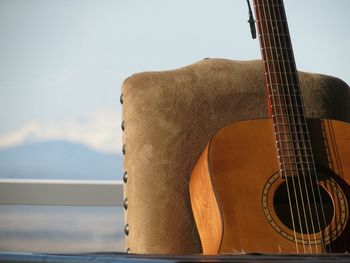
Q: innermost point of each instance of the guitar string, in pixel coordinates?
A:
(308, 164)
(300, 149)
(295, 141)
(276, 127)
(313, 166)
(290, 112)
(287, 122)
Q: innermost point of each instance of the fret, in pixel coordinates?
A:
(287, 111)
(277, 52)
(285, 95)
(271, 20)
(294, 146)
(289, 145)
(286, 166)
(270, 4)
(285, 74)
(288, 115)
(290, 148)
(279, 61)
(291, 173)
(290, 124)
(292, 97)
(288, 129)
(296, 157)
(282, 81)
(282, 85)
(288, 120)
(279, 71)
(292, 142)
(285, 105)
(285, 151)
(273, 24)
(302, 125)
(296, 160)
(297, 167)
(304, 153)
(280, 65)
(282, 150)
(276, 48)
(285, 125)
(296, 137)
(273, 35)
(311, 169)
(300, 163)
(295, 151)
(300, 167)
(291, 111)
(292, 120)
(296, 128)
(294, 133)
(296, 164)
(292, 151)
(285, 101)
(304, 149)
(269, 49)
(284, 137)
(280, 99)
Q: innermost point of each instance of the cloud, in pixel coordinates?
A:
(99, 130)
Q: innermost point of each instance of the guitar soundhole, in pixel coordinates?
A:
(301, 210)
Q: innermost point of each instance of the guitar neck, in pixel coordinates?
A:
(284, 96)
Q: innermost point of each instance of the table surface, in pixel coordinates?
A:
(122, 257)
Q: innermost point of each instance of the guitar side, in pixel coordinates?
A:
(227, 186)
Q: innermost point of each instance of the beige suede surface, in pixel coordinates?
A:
(169, 118)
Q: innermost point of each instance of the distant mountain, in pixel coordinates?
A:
(59, 160)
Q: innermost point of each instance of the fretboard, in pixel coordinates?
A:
(285, 101)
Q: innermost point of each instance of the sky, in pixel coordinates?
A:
(62, 62)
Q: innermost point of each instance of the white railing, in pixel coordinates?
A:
(61, 192)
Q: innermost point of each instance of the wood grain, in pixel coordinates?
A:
(242, 158)
(205, 207)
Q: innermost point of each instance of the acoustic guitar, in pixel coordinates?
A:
(275, 185)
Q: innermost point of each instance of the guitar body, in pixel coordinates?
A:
(239, 200)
